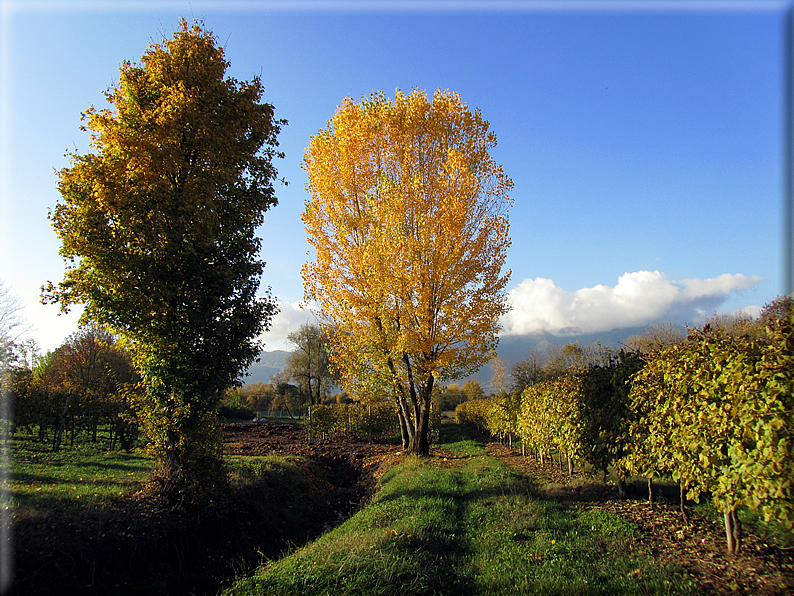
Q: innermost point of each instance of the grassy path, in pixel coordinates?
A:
(463, 523)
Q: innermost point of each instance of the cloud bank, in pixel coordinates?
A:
(638, 299)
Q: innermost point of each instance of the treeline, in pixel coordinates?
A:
(377, 420)
(88, 390)
(243, 403)
(713, 410)
(82, 389)
(304, 381)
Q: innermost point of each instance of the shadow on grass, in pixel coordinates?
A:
(66, 545)
(452, 432)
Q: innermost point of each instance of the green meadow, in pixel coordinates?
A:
(466, 524)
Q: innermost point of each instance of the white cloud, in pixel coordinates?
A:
(638, 299)
(290, 317)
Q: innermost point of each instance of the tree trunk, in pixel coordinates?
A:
(56, 446)
(421, 440)
(172, 465)
(407, 428)
(650, 491)
(570, 466)
(683, 501)
(733, 532)
(622, 491)
(406, 425)
(113, 435)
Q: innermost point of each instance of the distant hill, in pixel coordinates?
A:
(511, 349)
(269, 364)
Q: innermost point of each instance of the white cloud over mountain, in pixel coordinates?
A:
(639, 298)
(539, 306)
(290, 317)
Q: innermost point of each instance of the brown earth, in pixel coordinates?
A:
(349, 461)
(762, 568)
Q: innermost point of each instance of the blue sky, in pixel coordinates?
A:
(644, 139)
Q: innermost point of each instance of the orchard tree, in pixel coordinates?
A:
(158, 225)
(93, 372)
(605, 412)
(408, 221)
(15, 352)
(717, 412)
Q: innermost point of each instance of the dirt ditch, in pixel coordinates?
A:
(136, 547)
(349, 462)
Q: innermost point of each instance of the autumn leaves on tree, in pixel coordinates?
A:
(408, 221)
(407, 216)
(157, 227)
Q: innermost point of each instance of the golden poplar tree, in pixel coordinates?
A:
(158, 230)
(408, 221)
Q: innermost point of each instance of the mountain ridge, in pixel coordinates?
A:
(511, 349)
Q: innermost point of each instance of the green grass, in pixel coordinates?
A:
(456, 439)
(460, 523)
(86, 476)
(466, 525)
(75, 530)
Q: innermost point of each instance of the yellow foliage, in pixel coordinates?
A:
(408, 221)
(549, 417)
(474, 412)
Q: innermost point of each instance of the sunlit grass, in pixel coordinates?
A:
(78, 478)
(473, 528)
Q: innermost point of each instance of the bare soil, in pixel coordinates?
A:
(348, 460)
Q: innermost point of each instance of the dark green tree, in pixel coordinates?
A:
(158, 226)
(605, 411)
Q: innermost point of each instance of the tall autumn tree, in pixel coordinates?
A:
(408, 221)
(157, 225)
